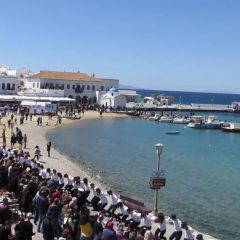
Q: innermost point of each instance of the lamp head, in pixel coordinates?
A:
(159, 148)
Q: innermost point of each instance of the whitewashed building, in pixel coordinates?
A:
(115, 98)
(8, 84)
(79, 86)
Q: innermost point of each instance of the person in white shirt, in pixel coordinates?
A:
(134, 219)
(162, 228)
(123, 213)
(188, 232)
(69, 180)
(54, 175)
(146, 223)
(42, 172)
(60, 179)
(114, 203)
(103, 199)
(177, 234)
(49, 173)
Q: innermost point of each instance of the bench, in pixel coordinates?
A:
(134, 204)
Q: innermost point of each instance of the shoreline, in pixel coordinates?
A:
(37, 135)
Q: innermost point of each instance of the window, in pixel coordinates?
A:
(8, 86)
(93, 87)
(33, 85)
(68, 86)
(62, 86)
(3, 86)
(83, 87)
(102, 88)
(73, 86)
(13, 86)
(88, 87)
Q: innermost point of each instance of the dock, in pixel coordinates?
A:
(194, 107)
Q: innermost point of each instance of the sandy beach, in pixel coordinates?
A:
(37, 136)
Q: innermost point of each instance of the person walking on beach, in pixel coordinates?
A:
(49, 145)
(4, 138)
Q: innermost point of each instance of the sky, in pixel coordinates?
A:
(153, 44)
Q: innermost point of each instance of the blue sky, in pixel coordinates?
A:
(168, 45)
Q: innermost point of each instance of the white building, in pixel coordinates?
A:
(7, 71)
(117, 98)
(8, 84)
(76, 85)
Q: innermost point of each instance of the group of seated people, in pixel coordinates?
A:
(68, 208)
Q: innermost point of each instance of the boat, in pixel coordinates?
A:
(156, 117)
(199, 122)
(231, 127)
(235, 107)
(172, 132)
(181, 120)
(166, 119)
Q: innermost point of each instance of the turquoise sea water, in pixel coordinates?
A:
(201, 166)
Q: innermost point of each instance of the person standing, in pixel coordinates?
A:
(4, 138)
(49, 145)
(25, 140)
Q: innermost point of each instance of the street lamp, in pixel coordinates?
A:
(157, 181)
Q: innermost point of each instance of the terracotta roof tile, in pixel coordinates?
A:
(73, 76)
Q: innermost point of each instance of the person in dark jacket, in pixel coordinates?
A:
(25, 200)
(27, 227)
(42, 208)
(48, 227)
(55, 211)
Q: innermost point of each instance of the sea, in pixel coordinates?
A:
(201, 166)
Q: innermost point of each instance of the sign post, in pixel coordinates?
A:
(157, 180)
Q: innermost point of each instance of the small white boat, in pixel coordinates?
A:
(231, 127)
(181, 120)
(166, 119)
(156, 117)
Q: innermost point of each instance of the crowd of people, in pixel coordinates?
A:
(64, 207)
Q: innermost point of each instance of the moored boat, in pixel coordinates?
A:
(166, 119)
(211, 122)
(181, 120)
(231, 127)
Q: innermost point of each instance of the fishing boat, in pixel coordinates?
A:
(211, 122)
(231, 127)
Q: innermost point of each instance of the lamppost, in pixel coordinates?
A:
(157, 180)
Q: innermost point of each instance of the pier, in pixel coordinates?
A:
(194, 107)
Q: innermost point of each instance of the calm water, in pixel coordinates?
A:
(195, 97)
(202, 167)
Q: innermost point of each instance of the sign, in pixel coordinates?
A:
(157, 182)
